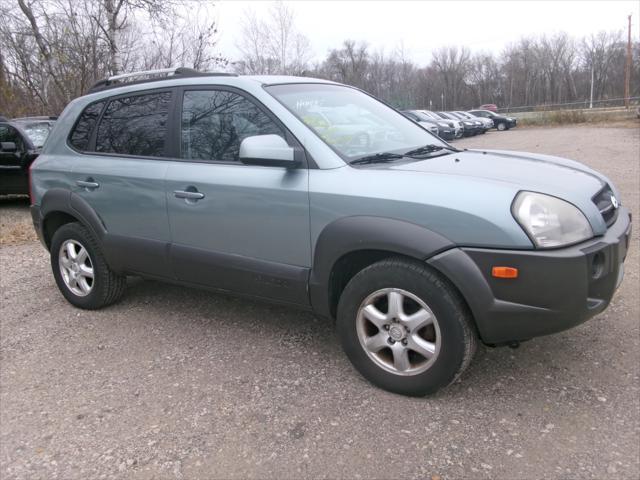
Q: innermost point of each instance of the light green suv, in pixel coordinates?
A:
(248, 185)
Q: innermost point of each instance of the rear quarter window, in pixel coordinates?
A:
(135, 125)
(81, 134)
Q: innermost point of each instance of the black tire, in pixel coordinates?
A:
(107, 286)
(458, 337)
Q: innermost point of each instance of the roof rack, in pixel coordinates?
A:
(153, 75)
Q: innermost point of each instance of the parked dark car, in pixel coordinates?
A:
(473, 123)
(426, 124)
(487, 123)
(501, 122)
(458, 127)
(21, 141)
(470, 128)
(445, 130)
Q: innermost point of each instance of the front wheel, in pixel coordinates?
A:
(404, 328)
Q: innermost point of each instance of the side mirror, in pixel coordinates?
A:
(8, 147)
(267, 150)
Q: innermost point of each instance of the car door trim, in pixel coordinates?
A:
(241, 274)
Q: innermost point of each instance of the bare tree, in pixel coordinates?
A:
(273, 45)
(453, 64)
(54, 50)
(598, 53)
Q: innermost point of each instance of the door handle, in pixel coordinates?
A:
(188, 195)
(89, 183)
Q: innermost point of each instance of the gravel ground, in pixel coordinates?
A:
(15, 221)
(178, 383)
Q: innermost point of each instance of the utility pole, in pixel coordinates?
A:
(591, 94)
(627, 69)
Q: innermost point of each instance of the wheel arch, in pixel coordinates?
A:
(346, 246)
(59, 206)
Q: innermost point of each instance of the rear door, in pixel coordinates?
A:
(120, 174)
(246, 228)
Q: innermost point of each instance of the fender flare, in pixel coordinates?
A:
(351, 234)
(65, 201)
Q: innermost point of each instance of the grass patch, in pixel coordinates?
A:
(569, 117)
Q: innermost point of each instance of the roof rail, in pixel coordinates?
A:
(154, 75)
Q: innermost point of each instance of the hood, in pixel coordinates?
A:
(562, 178)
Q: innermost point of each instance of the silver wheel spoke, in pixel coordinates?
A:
(86, 271)
(374, 315)
(377, 342)
(71, 251)
(418, 320)
(66, 263)
(82, 256)
(400, 357)
(82, 283)
(421, 346)
(395, 304)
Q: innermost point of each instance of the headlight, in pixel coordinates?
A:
(443, 124)
(549, 221)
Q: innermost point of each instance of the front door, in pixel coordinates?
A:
(233, 226)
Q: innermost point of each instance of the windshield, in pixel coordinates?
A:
(36, 131)
(352, 123)
(431, 114)
(422, 116)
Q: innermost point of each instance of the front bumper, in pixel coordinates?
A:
(446, 133)
(555, 289)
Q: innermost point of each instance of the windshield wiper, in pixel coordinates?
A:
(381, 157)
(428, 149)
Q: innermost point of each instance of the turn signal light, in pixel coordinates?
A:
(504, 272)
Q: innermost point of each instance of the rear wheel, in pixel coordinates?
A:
(80, 270)
(404, 328)
(501, 126)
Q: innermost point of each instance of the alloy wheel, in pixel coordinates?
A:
(398, 331)
(76, 268)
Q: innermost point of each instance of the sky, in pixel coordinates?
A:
(423, 26)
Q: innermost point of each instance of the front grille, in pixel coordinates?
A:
(603, 201)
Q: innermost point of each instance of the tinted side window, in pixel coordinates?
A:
(81, 133)
(135, 125)
(214, 122)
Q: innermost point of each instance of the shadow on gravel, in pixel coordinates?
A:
(299, 334)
